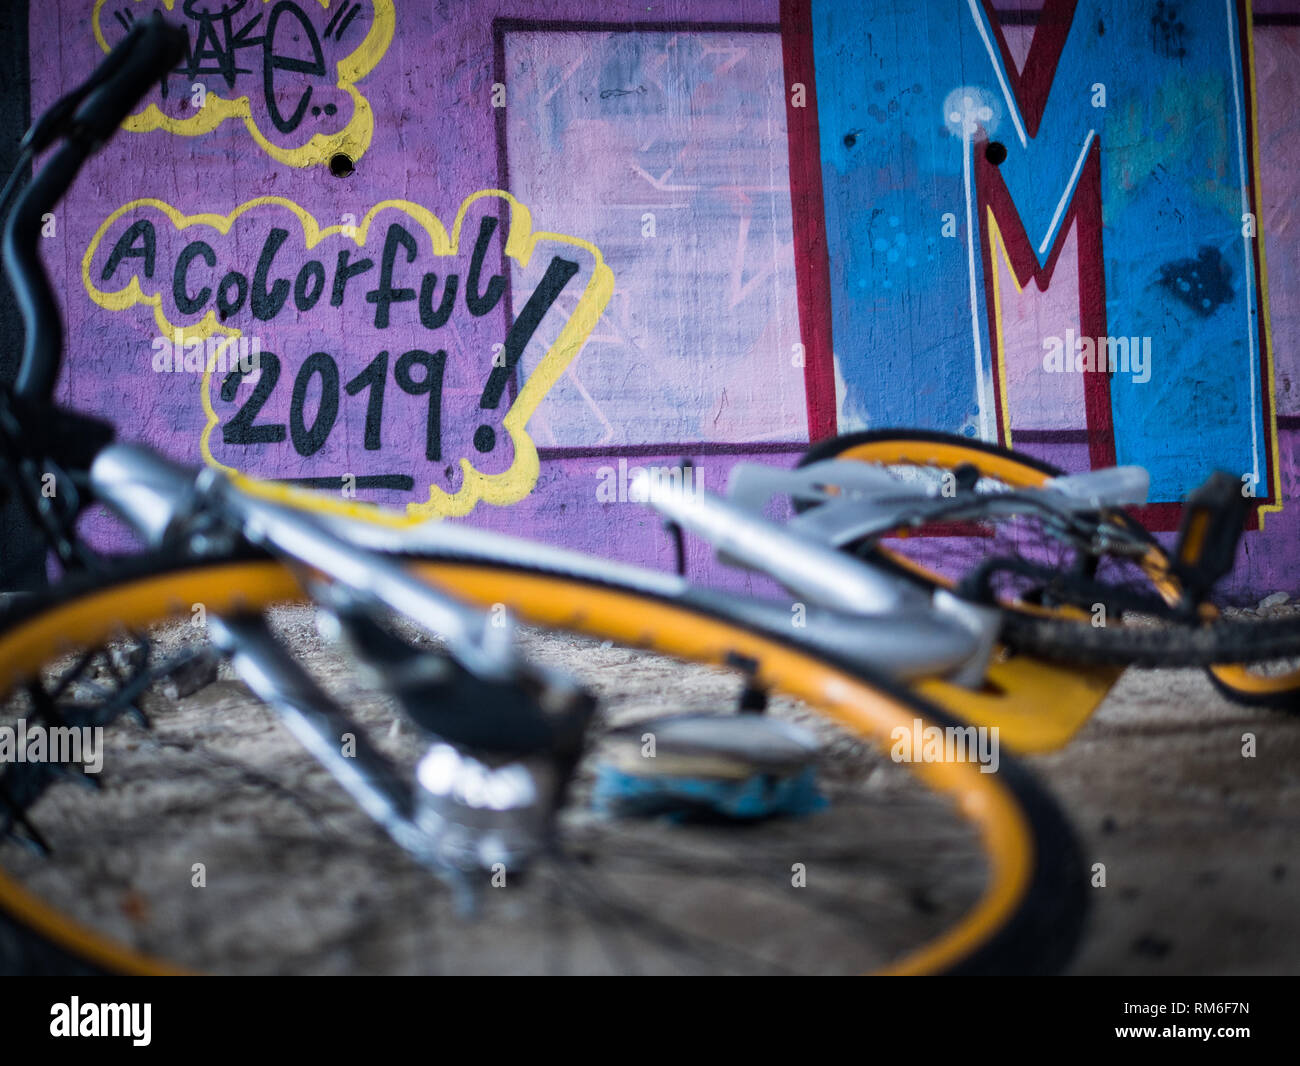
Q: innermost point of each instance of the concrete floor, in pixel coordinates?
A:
(1201, 845)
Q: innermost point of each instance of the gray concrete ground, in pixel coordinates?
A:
(1201, 845)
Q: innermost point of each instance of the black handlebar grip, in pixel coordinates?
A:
(140, 60)
(143, 57)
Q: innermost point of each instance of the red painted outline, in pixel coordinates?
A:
(1084, 213)
(1032, 85)
(1031, 88)
(812, 265)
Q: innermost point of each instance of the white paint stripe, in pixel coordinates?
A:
(981, 398)
(1249, 252)
(1013, 109)
(1067, 194)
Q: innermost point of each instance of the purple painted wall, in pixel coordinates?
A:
(653, 157)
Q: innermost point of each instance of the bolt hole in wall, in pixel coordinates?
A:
(995, 152)
(342, 166)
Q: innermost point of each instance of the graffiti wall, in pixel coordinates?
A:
(479, 261)
(1047, 225)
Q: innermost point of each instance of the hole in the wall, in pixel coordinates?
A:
(849, 140)
(341, 165)
(995, 152)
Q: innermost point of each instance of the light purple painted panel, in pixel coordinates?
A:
(685, 188)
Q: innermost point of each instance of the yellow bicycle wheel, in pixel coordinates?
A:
(1065, 632)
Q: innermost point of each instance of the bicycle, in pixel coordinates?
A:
(962, 871)
(1083, 584)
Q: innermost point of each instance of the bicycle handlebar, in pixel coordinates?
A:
(146, 54)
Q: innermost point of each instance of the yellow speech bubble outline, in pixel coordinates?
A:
(507, 487)
(352, 140)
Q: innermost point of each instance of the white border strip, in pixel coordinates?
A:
(987, 432)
